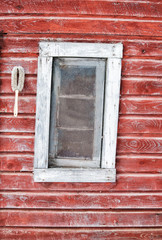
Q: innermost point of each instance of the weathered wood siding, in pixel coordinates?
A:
(128, 209)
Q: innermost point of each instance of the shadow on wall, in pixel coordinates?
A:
(1, 46)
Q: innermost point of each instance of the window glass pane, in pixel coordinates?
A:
(76, 113)
(75, 144)
(76, 109)
(78, 80)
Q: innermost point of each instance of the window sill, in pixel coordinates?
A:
(74, 175)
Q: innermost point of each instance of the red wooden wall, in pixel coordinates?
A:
(128, 209)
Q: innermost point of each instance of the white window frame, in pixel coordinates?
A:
(113, 55)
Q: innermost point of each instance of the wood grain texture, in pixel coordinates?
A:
(80, 25)
(80, 200)
(101, 8)
(112, 53)
(82, 234)
(125, 144)
(16, 162)
(74, 175)
(16, 143)
(141, 124)
(28, 45)
(139, 144)
(141, 86)
(130, 67)
(20, 124)
(140, 105)
(91, 50)
(139, 164)
(125, 183)
(142, 67)
(41, 144)
(29, 64)
(80, 219)
(128, 105)
(26, 105)
(29, 85)
(124, 163)
(127, 124)
(129, 85)
(111, 112)
(142, 48)
(137, 25)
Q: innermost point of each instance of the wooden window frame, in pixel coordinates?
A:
(113, 55)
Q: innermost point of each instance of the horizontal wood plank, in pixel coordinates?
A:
(81, 200)
(141, 124)
(140, 105)
(142, 48)
(130, 67)
(124, 164)
(137, 25)
(128, 105)
(24, 124)
(139, 164)
(28, 44)
(141, 86)
(125, 182)
(25, 104)
(101, 8)
(29, 65)
(80, 25)
(125, 144)
(139, 145)
(15, 143)
(129, 85)
(16, 162)
(29, 85)
(80, 219)
(81, 234)
(127, 124)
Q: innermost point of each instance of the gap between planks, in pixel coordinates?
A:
(119, 174)
(86, 210)
(82, 229)
(18, 192)
(91, 16)
(80, 18)
(80, 36)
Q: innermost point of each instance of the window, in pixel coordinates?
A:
(77, 112)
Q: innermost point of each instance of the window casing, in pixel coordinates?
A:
(51, 155)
